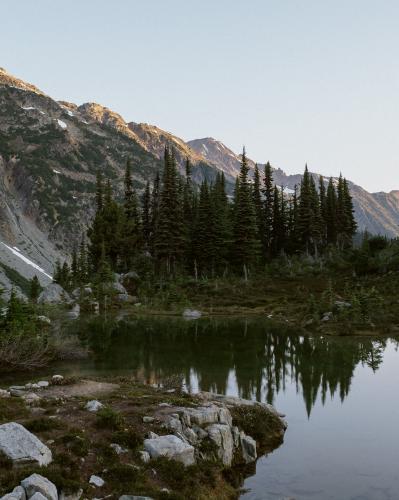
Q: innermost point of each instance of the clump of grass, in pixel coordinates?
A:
(5, 462)
(107, 418)
(129, 438)
(42, 424)
(258, 423)
(76, 443)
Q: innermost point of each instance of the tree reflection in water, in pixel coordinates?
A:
(262, 357)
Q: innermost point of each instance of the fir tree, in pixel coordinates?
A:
(259, 206)
(34, 290)
(246, 246)
(146, 217)
(331, 213)
(268, 209)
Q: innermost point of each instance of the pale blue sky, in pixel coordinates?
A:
(293, 80)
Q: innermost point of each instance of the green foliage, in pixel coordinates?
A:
(107, 418)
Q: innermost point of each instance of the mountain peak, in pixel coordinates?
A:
(6, 79)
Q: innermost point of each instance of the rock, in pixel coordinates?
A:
(4, 394)
(18, 493)
(164, 405)
(74, 313)
(130, 281)
(31, 398)
(327, 316)
(248, 448)
(117, 288)
(134, 497)
(71, 496)
(119, 450)
(191, 436)
(43, 384)
(21, 446)
(144, 456)
(152, 435)
(340, 304)
(97, 481)
(44, 319)
(221, 435)
(191, 314)
(175, 425)
(53, 294)
(56, 379)
(171, 447)
(38, 496)
(81, 292)
(236, 436)
(148, 420)
(206, 415)
(17, 393)
(94, 406)
(39, 484)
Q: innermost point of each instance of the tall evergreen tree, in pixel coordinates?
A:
(331, 213)
(259, 206)
(35, 288)
(146, 217)
(246, 246)
(268, 191)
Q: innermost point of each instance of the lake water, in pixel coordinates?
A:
(340, 395)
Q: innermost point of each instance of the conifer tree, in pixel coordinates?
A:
(146, 217)
(268, 209)
(259, 206)
(246, 246)
(154, 212)
(169, 238)
(323, 209)
(331, 213)
(34, 290)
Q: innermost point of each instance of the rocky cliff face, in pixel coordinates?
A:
(51, 151)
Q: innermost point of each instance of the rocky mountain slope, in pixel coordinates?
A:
(50, 153)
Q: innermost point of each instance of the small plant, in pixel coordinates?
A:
(107, 418)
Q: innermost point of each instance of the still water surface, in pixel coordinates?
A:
(340, 395)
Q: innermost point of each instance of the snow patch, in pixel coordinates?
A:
(69, 112)
(62, 124)
(56, 171)
(27, 108)
(17, 253)
(206, 149)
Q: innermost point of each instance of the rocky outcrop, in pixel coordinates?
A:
(172, 447)
(54, 294)
(39, 484)
(23, 447)
(214, 423)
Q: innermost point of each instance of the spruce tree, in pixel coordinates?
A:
(259, 206)
(34, 290)
(246, 245)
(268, 191)
(331, 213)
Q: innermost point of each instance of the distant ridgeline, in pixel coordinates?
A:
(178, 229)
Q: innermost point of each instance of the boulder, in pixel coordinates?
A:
(327, 316)
(4, 394)
(206, 415)
(248, 448)
(43, 384)
(118, 449)
(221, 435)
(74, 312)
(21, 446)
(171, 447)
(130, 281)
(38, 496)
(118, 288)
(96, 481)
(94, 406)
(57, 379)
(82, 292)
(31, 398)
(18, 493)
(148, 420)
(39, 484)
(145, 456)
(53, 294)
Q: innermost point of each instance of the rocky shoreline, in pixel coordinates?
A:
(75, 439)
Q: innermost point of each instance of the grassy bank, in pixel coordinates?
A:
(81, 443)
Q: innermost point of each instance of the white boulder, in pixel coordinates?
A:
(97, 481)
(94, 406)
(39, 484)
(21, 446)
(171, 447)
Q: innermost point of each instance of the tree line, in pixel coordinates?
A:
(204, 232)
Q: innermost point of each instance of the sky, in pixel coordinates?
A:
(295, 81)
